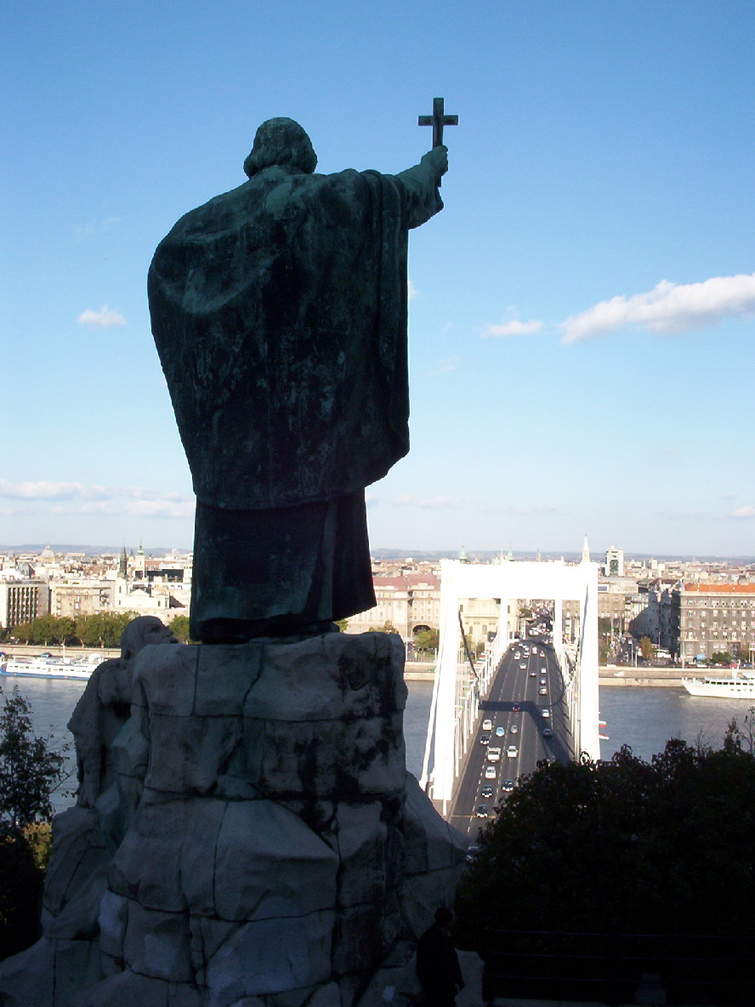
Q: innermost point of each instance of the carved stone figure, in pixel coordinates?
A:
(105, 706)
(279, 314)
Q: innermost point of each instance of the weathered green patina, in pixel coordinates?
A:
(279, 314)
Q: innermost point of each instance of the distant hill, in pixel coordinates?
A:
(429, 555)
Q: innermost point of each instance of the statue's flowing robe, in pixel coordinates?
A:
(279, 314)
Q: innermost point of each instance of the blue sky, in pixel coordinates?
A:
(582, 323)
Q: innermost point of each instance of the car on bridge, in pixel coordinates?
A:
(507, 786)
(500, 731)
(512, 751)
(487, 724)
(482, 811)
(513, 729)
(487, 791)
(472, 852)
(494, 754)
(485, 739)
(523, 665)
(543, 691)
(533, 673)
(547, 732)
(546, 712)
(491, 773)
(516, 708)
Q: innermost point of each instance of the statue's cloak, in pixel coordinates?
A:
(279, 314)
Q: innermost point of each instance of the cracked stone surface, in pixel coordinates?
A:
(255, 841)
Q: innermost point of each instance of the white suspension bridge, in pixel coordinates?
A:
(458, 690)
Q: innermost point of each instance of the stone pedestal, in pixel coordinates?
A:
(258, 842)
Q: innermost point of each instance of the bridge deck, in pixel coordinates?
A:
(515, 705)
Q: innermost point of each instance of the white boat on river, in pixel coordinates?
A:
(50, 667)
(737, 685)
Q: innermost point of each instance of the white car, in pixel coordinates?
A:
(546, 713)
(513, 729)
(493, 754)
(491, 773)
(523, 665)
(512, 751)
(543, 691)
(544, 670)
(487, 724)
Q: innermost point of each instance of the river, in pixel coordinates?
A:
(642, 717)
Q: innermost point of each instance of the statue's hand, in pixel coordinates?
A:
(437, 159)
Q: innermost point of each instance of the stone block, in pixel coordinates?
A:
(158, 944)
(125, 989)
(271, 956)
(113, 920)
(188, 753)
(430, 842)
(166, 675)
(268, 863)
(28, 979)
(78, 849)
(331, 676)
(204, 819)
(362, 936)
(421, 894)
(225, 674)
(362, 850)
(77, 966)
(130, 751)
(330, 760)
(147, 864)
(78, 918)
(206, 936)
(326, 996)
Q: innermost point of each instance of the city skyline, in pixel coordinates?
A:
(580, 312)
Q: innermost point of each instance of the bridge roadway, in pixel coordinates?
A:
(514, 704)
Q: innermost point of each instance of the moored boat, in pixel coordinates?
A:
(51, 667)
(734, 686)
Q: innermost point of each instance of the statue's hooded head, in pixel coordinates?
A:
(281, 141)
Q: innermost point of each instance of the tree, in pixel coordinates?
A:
(426, 640)
(721, 657)
(45, 630)
(646, 648)
(387, 627)
(30, 769)
(30, 772)
(102, 629)
(645, 847)
(180, 628)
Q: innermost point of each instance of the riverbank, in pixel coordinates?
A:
(660, 678)
(610, 675)
(424, 671)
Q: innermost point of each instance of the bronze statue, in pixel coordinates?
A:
(279, 314)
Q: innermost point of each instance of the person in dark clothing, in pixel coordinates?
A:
(438, 964)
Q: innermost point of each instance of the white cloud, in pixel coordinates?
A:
(446, 366)
(429, 503)
(160, 508)
(97, 226)
(43, 490)
(668, 307)
(92, 499)
(513, 328)
(744, 512)
(105, 318)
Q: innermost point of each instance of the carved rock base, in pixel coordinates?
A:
(258, 844)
